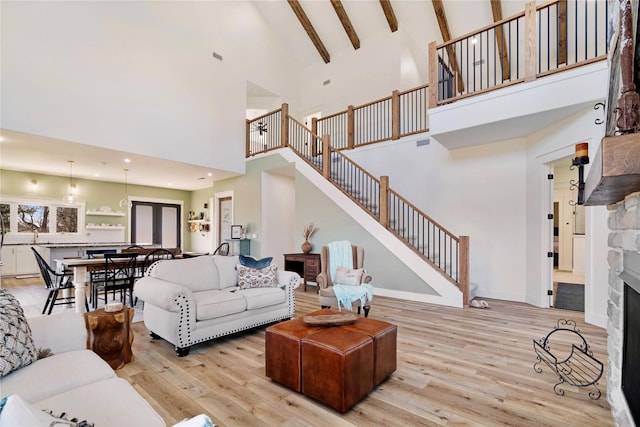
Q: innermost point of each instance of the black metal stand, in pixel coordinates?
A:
(574, 364)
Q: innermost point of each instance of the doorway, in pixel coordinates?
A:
(223, 206)
(156, 224)
(568, 239)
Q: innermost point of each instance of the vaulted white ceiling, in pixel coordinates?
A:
(417, 27)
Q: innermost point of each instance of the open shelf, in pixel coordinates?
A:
(105, 227)
(100, 213)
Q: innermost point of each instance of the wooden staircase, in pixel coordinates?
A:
(445, 252)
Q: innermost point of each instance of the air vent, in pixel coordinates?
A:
(217, 56)
(326, 82)
(422, 142)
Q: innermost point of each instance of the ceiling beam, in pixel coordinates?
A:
(441, 16)
(346, 23)
(388, 13)
(496, 9)
(311, 32)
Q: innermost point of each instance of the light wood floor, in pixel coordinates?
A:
(455, 367)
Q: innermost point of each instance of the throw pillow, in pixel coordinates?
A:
(259, 264)
(257, 278)
(17, 348)
(344, 276)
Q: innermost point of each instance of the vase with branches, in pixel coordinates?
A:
(307, 232)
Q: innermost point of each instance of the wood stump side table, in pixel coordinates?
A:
(110, 335)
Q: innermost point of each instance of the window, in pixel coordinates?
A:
(27, 216)
(32, 218)
(66, 220)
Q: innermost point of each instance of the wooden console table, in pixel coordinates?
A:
(306, 265)
(110, 335)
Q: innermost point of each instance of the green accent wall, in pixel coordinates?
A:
(94, 193)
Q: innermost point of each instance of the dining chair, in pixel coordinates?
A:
(56, 282)
(156, 255)
(223, 249)
(150, 259)
(119, 275)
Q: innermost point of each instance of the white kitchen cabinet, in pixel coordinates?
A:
(19, 260)
(8, 255)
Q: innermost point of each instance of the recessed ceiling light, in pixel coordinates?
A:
(127, 160)
(170, 184)
(210, 174)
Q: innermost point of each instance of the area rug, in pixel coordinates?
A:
(570, 297)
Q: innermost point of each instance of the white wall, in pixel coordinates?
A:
(477, 192)
(140, 76)
(346, 71)
(278, 214)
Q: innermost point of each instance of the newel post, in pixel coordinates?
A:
(530, 44)
(395, 115)
(326, 157)
(463, 269)
(350, 127)
(247, 132)
(384, 201)
(285, 124)
(433, 75)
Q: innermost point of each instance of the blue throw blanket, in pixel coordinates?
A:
(346, 294)
(341, 255)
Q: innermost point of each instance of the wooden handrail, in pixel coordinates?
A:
(404, 92)
(527, 29)
(482, 29)
(412, 206)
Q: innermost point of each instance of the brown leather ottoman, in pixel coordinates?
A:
(384, 337)
(283, 352)
(337, 367)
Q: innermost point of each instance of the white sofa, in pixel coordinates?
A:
(73, 380)
(192, 300)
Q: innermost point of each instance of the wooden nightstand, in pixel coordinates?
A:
(110, 335)
(306, 265)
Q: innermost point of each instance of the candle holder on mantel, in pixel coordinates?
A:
(581, 159)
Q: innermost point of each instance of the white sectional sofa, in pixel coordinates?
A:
(73, 380)
(192, 300)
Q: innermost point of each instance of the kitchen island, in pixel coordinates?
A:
(51, 251)
(19, 261)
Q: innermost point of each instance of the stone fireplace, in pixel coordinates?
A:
(623, 342)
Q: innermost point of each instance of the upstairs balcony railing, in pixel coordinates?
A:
(544, 39)
(390, 118)
(448, 253)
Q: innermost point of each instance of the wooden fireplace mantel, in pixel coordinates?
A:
(615, 171)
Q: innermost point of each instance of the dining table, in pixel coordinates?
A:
(81, 268)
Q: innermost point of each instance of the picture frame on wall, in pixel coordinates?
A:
(236, 231)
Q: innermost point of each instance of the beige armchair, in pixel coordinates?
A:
(326, 295)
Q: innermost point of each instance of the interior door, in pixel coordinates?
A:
(225, 218)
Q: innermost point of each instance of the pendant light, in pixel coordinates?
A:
(68, 199)
(124, 202)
